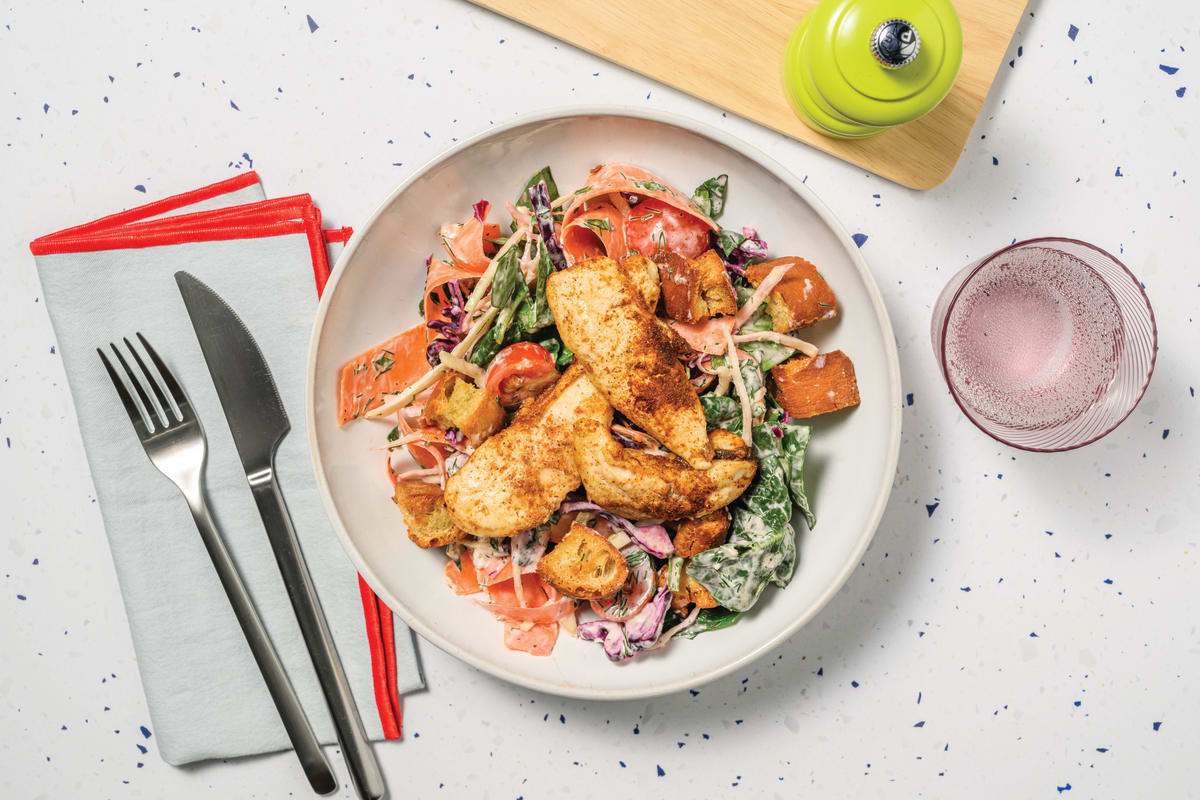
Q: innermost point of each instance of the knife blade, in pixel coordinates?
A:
(258, 423)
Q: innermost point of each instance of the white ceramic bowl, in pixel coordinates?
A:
(373, 294)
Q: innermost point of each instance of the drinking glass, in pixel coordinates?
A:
(1047, 344)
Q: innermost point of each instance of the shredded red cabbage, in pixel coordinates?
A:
(654, 539)
(612, 634)
(539, 198)
(623, 640)
(436, 348)
(750, 248)
(644, 627)
(626, 441)
(449, 330)
(481, 210)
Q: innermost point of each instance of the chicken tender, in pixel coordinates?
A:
(516, 479)
(602, 317)
(641, 485)
(643, 274)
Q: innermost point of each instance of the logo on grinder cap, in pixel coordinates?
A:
(895, 43)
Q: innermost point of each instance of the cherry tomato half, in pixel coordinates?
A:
(652, 224)
(520, 371)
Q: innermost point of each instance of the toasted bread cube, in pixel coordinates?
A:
(696, 593)
(584, 565)
(425, 514)
(697, 534)
(801, 299)
(716, 289)
(696, 289)
(814, 385)
(690, 591)
(457, 403)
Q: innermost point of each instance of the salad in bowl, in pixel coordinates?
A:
(601, 417)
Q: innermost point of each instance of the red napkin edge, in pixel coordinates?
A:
(277, 216)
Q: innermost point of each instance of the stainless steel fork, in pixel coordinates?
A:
(173, 438)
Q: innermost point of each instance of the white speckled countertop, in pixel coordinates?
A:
(1022, 626)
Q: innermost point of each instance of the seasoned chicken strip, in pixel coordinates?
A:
(643, 274)
(516, 479)
(640, 485)
(602, 317)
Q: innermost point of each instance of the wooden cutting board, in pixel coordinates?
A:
(730, 52)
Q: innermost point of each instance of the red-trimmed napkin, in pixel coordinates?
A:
(111, 277)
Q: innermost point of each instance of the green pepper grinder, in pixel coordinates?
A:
(855, 68)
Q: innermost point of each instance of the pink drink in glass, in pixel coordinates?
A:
(1047, 344)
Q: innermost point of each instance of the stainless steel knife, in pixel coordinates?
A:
(258, 423)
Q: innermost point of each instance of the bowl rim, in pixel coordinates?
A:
(944, 369)
(893, 380)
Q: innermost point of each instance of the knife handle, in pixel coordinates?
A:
(364, 770)
(304, 741)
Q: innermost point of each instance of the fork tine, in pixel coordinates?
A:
(163, 403)
(146, 404)
(168, 377)
(131, 408)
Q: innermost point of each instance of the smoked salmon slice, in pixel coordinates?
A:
(599, 231)
(629, 179)
(537, 641)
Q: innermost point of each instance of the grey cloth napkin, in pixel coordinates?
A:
(206, 696)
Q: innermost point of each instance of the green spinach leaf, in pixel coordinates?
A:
(728, 241)
(490, 343)
(508, 279)
(709, 619)
(769, 354)
(538, 314)
(761, 547)
(709, 196)
(796, 437)
(722, 412)
(562, 356)
(542, 174)
(756, 387)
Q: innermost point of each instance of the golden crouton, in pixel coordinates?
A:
(800, 299)
(697, 534)
(809, 386)
(456, 403)
(690, 591)
(584, 565)
(425, 514)
(695, 289)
